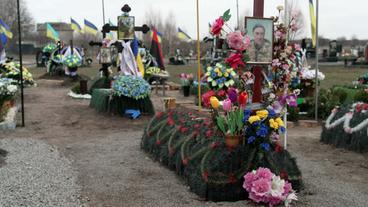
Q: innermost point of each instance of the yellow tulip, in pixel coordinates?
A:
(254, 119)
(215, 103)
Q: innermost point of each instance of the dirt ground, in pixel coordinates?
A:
(113, 171)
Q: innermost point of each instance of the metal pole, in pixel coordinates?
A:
(20, 63)
(237, 12)
(316, 78)
(286, 130)
(103, 11)
(198, 61)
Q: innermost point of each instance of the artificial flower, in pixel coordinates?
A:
(131, 86)
(280, 122)
(217, 26)
(206, 98)
(262, 114)
(215, 103)
(232, 94)
(274, 124)
(243, 98)
(226, 105)
(237, 41)
(235, 60)
(253, 119)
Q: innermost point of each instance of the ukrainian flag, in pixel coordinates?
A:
(159, 36)
(51, 33)
(3, 40)
(74, 25)
(183, 36)
(313, 22)
(4, 29)
(89, 27)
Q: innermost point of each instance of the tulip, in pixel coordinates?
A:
(215, 103)
(232, 94)
(243, 98)
(226, 105)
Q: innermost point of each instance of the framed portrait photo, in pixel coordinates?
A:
(260, 31)
(105, 55)
(126, 27)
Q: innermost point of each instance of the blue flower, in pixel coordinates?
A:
(265, 146)
(251, 139)
(213, 74)
(282, 129)
(262, 131)
(271, 113)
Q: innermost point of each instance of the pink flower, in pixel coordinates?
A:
(226, 104)
(206, 98)
(264, 173)
(297, 47)
(294, 27)
(237, 41)
(260, 188)
(217, 26)
(276, 63)
(285, 66)
(235, 60)
(287, 188)
(279, 35)
(249, 178)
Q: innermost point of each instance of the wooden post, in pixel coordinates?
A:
(258, 8)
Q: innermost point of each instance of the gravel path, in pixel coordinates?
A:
(36, 174)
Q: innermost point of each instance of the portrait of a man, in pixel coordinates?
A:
(260, 31)
(125, 27)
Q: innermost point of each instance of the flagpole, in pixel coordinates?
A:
(199, 61)
(20, 63)
(103, 11)
(316, 74)
(237, 12)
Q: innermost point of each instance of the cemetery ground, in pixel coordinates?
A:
(105, 166)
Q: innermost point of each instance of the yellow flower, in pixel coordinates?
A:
(226, 74)
(215, 103)
(219, 74)
(274, 124)
(262, 113)
(254, 119)
(280, 122)
(217, 70)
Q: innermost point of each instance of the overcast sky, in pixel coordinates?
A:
(337, 17)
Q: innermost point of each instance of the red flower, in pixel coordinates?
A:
(243, 98)
(197, 126)
(235, 60)
(170, 121)
(205, 176)
(206, 98)
(214, 145)
(185, 161)
(217, 26)
(278, 148)
(159, 115)
(221, 93)
(232, 179)
(158, 142)
(184, 130)
(284, 175)
(208, 134)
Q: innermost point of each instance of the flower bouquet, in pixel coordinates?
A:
(8, 89)
(152, 71)
(220, 77)
(186, 82)
(263, 186)
(72, 61)
(131, 86)
(12, 70)
(49, 48)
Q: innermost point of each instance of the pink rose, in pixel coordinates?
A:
(235, 60)
(264, 173)
(217, 26)
(237, 41)
(261, 187)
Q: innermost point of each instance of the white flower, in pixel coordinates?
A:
(12, 88)
(277, 186)
(291, 197)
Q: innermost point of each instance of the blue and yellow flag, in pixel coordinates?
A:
(313, 22)
(3, 40)
(51, 33)
(159, 36)
(89, 27)
(75, 26)
(4, 29)
(183, 36)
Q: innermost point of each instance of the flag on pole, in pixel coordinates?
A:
(313, 22)
(183, 36)
(3, 40)
(159, 36)
(74, 25)
(140, 64)
(4, 29)
(89, 27)
(51, 33)
(156, 50)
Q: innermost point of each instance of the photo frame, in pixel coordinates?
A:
(260, 31)
(126, 26)
(105, 55)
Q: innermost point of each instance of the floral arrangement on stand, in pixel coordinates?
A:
(8, 90)
(72, 61)
(49, 48)
(220, 76)
(152, 71)
(12, 70)
(131, 86)
(264, 186)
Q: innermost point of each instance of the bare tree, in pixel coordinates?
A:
(8, 13)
